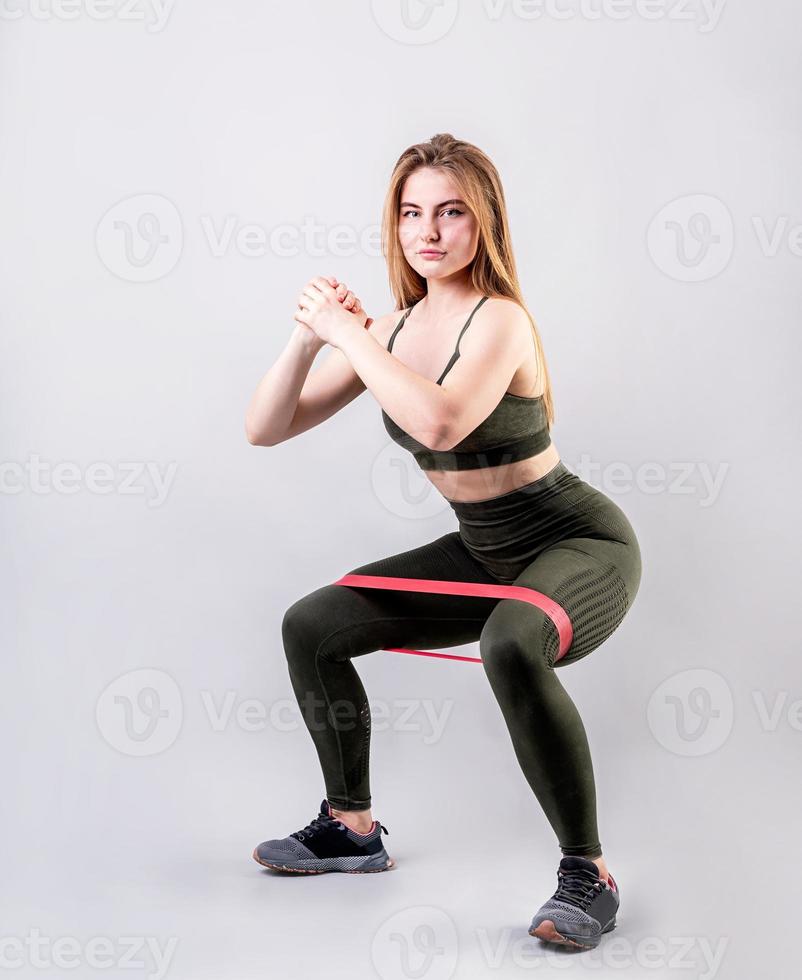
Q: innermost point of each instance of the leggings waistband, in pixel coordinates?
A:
(545, 486)
(508, 532)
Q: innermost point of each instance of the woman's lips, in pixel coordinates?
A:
(432, 255)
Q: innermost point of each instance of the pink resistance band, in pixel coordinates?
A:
(552, 609)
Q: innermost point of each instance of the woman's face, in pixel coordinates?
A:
(438, 234)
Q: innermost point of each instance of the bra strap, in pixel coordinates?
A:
(400, 324)
(455, 355)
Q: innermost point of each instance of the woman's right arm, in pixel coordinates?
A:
(289, 400)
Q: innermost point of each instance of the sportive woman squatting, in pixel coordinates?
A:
(482, 438)
(460, 374)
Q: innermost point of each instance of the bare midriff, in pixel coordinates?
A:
(482, 484)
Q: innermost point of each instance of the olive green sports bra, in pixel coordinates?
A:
(516, 429)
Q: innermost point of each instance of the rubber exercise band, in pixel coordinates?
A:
(552, 609)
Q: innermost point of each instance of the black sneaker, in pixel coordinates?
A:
(583, 907)
(326, 844)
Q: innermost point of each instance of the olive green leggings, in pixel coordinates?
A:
(594, 575)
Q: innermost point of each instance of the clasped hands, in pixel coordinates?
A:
(330, 310)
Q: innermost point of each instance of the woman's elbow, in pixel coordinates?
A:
(439, 438)
(255, 438)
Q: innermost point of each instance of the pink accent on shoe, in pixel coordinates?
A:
(552, 609)
(367, 833)
(359, 832)
(331, 810)
(611, 882)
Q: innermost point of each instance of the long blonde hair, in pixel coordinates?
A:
(493, 270)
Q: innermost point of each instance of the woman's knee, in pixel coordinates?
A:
(516, 642)
(308, 621)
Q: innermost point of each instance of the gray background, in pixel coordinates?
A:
(647, 162)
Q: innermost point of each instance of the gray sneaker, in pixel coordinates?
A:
(326, 844)
(581, 910)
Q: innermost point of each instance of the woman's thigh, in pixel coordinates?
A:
(338, 622)
(595, 580)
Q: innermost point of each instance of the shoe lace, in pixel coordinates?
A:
(578, 887)
(320, 822)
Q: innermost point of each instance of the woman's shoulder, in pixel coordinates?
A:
(510, 309)
(507, 316)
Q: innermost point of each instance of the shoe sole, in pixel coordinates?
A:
(547, 931)
(320, 871)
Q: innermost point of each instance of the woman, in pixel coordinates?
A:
(463, 385)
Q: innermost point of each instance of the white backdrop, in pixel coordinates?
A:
(172, 173)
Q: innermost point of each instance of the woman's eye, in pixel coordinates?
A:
(406, 214)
